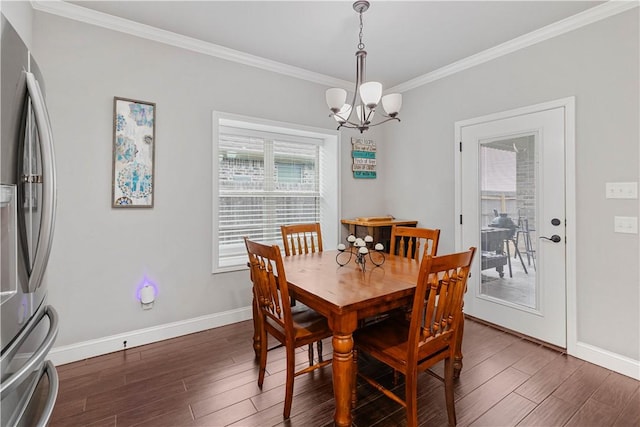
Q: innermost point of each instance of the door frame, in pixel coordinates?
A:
(570, 196)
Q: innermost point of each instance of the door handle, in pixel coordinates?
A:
(14, 380)
(45, 237)
(555, 238)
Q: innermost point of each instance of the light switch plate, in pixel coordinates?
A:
(622, 190)
(625, 224)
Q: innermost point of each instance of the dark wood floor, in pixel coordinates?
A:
(209, 379)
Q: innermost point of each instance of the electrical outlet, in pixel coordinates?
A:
(625, 224)
(622, 190)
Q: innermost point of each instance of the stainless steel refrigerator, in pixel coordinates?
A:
(28, 381)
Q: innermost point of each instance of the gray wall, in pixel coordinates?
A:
(597, 64)
(100, 254)
(20, 14)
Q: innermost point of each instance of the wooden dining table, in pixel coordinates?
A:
(345, 295)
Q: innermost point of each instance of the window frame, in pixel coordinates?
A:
(329, 170)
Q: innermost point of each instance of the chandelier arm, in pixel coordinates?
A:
(353, 104)
(384, 121)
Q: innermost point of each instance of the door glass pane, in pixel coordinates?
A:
(507, 220)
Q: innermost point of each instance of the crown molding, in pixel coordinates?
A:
(589, 16)
(78, 13)
(92, 17)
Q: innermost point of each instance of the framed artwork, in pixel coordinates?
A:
(134, 125)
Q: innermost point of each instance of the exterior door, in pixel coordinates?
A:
(511, 197)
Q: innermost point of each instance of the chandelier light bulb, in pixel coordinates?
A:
(370, 93)
(343, 115)
(368, 114)
(335, 98)
(392, 103)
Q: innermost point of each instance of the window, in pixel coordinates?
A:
(267, 174)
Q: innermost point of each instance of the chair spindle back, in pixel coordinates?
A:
(414, 242)
(442, 283)
(301, 239)
(269, 283)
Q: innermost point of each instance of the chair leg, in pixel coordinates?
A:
(448, 391)
(288, 396)
(506, 243)
(311, 354)
(319, 345)
(521, 261)
(263, 357)
(411, 398)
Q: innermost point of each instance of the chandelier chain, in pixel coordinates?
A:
(361, 45)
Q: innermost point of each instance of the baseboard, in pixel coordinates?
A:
(587, 352)
(83, 350)
(613, 361)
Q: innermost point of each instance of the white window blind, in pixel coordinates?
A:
(266, 179)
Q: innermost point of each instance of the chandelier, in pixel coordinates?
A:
(359, 114)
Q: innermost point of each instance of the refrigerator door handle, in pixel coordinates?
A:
(8, 384)
(45, 239)
(45, 407)
(47, 410)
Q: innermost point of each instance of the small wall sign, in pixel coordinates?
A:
(363, 152)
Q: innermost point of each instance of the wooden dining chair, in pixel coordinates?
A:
(292, 328)
(300, 239)
(412, 242)
(430, 336)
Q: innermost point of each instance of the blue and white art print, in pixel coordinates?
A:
(133, 153)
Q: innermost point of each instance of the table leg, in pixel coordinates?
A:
(343, 327)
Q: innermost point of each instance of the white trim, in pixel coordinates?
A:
(613, 361)
(563, 26)
(100, 19)
(83, 350)
(78, 13)
(568, 102)
(570, 224)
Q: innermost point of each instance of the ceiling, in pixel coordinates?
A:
(404, 39)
